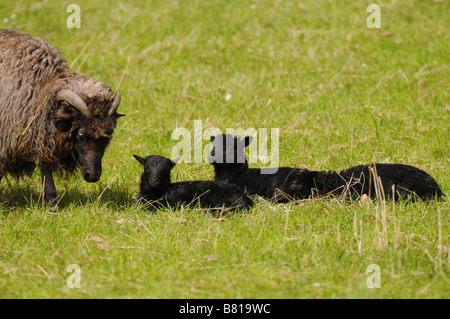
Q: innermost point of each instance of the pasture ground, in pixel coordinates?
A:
(341, 93)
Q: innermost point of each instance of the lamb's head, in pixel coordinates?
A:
(84, 119)
(228, 150)
(297, 185)
(156, 176)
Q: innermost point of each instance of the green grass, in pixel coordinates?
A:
(342, 94)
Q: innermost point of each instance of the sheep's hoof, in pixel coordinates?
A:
(50, 201)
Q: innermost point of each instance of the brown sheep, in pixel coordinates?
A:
(50, 117)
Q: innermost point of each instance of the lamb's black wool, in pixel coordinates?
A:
(409, 183)
(156, 189)
(230, 165)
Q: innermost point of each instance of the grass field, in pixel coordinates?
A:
(341, 94)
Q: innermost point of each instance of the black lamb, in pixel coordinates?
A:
(409, 183)
(156, 189)
(230, 165)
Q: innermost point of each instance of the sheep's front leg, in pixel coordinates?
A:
(49, 184)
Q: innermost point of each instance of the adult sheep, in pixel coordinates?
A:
(50, 117)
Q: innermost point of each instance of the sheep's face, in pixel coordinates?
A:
(156, 176)
(297, 185)
(85, 118)
(89, 152)
(228, 149)
(87, 138)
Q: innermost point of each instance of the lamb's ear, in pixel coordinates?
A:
(139, 159)
(175, 161)
(247, 140)
(212, 138)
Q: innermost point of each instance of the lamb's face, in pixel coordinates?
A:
(296, 186)
(156, 176)
(228, 149)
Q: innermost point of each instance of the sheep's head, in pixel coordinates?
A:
(228, 149)
(85, 123)
(297, 185)
(156, 176)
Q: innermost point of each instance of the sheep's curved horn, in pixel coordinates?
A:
(115, 104)
(75, 100)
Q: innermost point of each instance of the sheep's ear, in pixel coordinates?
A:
(139, 159)
(248, 140)
(212, 138)
(175, 161)
(64, 118)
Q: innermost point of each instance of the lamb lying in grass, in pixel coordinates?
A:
(409, 183)
(157, 191)
(230, 165)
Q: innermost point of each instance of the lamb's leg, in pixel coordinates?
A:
(49, 184)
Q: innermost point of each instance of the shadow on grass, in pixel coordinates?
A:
(19, 197)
